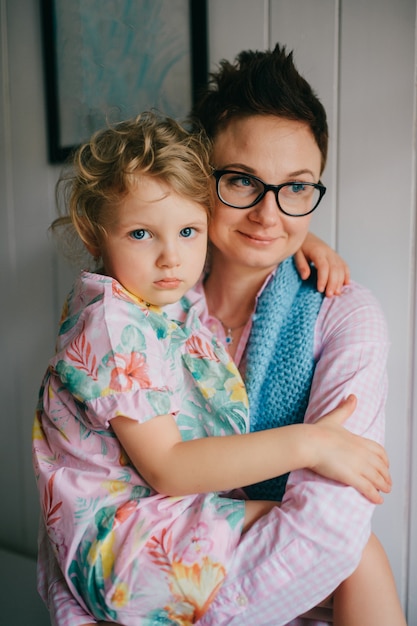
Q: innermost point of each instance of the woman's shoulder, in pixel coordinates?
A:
(354, 295)
(356, 307)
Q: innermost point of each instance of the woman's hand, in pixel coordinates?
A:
(332, 271)
(347, 458)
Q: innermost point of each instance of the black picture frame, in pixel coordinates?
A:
(75, 73)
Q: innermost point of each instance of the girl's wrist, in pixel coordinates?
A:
(311, 443)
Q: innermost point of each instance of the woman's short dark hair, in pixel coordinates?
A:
(260, 83)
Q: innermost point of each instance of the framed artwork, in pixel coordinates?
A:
(108, 60)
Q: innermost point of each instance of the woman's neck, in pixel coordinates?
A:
(231, 292)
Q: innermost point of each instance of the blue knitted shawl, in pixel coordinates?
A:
(280, 362)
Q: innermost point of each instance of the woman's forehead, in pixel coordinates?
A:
(262, 144)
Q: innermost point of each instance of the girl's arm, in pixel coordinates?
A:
(332, 270)
(175, 467)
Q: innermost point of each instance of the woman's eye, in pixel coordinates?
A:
(140, 234)
(243, 181)
(297, 187)
(187, 232)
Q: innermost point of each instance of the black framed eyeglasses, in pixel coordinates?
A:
(242, 191)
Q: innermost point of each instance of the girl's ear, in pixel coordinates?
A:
(89, 237)
(92, 244)
(93, 250)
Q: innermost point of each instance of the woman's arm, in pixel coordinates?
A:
(332, 270)
(175, 467)
(327, 523)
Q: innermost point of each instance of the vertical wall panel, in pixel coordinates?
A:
(412, 491)
(28, 295)
(376, 210)
(11, 474)
(235, 25)
(311, 29)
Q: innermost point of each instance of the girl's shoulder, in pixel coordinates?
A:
(102, 311)
(109, 343)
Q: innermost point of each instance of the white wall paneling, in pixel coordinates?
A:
(376, 212)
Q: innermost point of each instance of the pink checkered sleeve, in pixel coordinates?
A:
(294, 557)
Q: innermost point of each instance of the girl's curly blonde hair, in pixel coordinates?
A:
(103, 170)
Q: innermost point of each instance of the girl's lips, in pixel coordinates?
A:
(168, 283)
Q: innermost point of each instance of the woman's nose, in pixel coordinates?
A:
(266, 212)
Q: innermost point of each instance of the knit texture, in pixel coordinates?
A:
(280, 361)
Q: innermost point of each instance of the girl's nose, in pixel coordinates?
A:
(169, 257)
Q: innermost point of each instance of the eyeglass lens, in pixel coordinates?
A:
(243, 190)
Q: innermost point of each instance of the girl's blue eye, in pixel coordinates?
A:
(187, 232)
(140, 234)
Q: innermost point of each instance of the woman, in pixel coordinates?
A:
(300, 353)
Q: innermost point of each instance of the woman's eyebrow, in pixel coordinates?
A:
(239, 167)
(300, 173)
(249, 170)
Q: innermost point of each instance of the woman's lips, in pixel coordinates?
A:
(258, 239)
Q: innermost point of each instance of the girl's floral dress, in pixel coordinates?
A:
(129, 554)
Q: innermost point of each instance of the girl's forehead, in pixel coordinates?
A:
(150, 189)
(155, 198)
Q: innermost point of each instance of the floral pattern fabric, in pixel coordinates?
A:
(129, 554)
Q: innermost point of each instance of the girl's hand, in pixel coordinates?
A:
(348, 458)
(332, 271)
(176, 468)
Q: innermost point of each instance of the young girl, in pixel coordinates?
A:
(141, 429)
